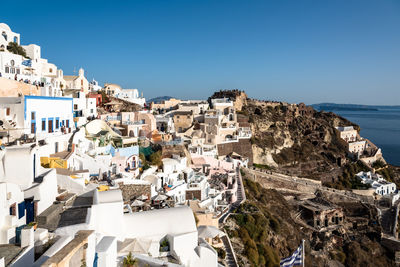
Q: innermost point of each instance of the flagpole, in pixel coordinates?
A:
(303, 252)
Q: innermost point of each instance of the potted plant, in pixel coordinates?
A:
(129, 261)
(33, 224)
(164, 245)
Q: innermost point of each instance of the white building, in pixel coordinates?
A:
(377, 182)
(33, 70)
(357, 147)
(348, 133)
(177, 225)
(131, 95)
(94, 86)
(83, 107)
(37, 116)
(7, 36)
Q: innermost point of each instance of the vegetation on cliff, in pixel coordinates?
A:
(263, 231)
(262, 222)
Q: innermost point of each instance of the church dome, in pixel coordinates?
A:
(4, 26)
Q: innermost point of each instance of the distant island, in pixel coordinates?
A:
(159, 99)
(349, 107)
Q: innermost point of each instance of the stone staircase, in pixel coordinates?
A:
(230, 257)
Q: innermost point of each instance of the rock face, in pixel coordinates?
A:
(296, 139)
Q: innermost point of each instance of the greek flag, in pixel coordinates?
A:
(295, 259)
(27, 63)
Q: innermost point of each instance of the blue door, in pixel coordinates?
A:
(18, 234)
(96, 258)
(30, 211)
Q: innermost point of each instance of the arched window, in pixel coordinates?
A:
(4, 34)
(51, 70)
(12, 62)
(15, 39)
(2, 48)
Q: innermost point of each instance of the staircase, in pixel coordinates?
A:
(241, 196)
(230, 257)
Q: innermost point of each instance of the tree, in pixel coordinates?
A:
(129, 261)
(156, 158)
(16, 49)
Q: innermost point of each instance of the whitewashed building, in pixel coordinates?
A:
(377, 183)
(37, 116)
(348, 133)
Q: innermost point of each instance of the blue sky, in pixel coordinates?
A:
(298, 51)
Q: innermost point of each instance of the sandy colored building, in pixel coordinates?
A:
(77, 82)
(182, 120)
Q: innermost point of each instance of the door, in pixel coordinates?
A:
(30, 210)
(50, 126)
(33, 127)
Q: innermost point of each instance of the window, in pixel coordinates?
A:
(67, 122)
(32, 115)
(12, 70)
(12, 62)
(43, 124)
(91, 110)
(13, 209)
(4, 34)
(15, 39)
(18, 71)
(8, 111)
(75, 106)
(51, 70)
(81, 82)
(7, 70)
(57, 123)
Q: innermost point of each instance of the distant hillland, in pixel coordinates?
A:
(158, 99)
(350, 107)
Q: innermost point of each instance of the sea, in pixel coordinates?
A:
(382, 127)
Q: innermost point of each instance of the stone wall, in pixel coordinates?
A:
(131, 191)
(193, 194)
(243, 148)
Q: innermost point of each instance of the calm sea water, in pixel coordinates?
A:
(382, 127)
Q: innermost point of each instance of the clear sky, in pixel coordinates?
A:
(341, 51)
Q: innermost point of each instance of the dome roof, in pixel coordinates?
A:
(4, 26)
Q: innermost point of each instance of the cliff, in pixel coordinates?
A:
(296, 139)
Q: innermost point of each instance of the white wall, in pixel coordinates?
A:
(107, 252)
(9, 194)
(45, 192)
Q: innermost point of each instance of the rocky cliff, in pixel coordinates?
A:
(296, 139)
